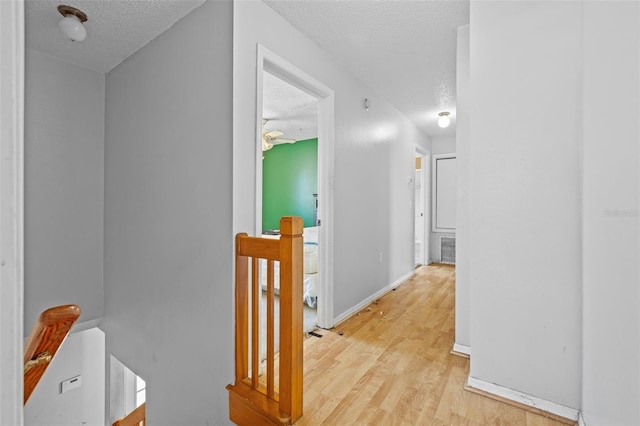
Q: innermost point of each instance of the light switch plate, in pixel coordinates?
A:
(72, 383)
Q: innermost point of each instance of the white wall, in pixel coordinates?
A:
(611, 312)
(444, 144)
(463, 148)
(525, 192)
(11, 210)
(374, 158)
(64, 181)
(168, 241)
(81, 354)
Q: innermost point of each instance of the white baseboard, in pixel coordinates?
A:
(462, 349)
(523, 398)
(581, 421)
(355, 309)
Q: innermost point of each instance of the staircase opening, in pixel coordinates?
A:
(127, 390)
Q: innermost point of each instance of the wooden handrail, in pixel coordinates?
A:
(45, 339)
(135, 418)
(251, 400)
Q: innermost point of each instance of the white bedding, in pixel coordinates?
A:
(310, 238)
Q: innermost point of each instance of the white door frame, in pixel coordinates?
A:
(11, 210)
(426, 219)
(274, 64)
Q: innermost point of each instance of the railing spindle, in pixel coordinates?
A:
(255, 323)
(270, 328)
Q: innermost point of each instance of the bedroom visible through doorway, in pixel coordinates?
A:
(290, 175)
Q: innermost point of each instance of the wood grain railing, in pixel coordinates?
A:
(135, 418)
(45, 339)
(271, 399)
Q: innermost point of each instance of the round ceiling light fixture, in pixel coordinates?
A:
(71, 25)
(444, 119)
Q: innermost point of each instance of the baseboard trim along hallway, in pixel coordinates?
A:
(461, 350)
(542, 406)
(350, 312)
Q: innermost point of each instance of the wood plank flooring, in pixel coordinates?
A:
(392, 365)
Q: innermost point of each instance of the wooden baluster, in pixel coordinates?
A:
(270, 329)
(242, 313)
(255, 323)
(291, 317)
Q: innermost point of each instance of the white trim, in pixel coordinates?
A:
(274, 64)
(434, 192)
(462, 349)
(426, 201)
(581, 421)
(355, 309)
(523, 398)
(11, 210)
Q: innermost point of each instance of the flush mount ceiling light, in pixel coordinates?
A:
(444, 119)
(71, 25)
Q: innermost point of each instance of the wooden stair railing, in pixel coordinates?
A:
(47, 335)
(252, 400)
(135, 418)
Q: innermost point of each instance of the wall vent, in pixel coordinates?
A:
(447, 249)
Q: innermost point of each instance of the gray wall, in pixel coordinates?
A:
(611, 292)
(463, 148)
(168, 242)
(82, 354)
(64, 178)
(374, 158)
(525, 191)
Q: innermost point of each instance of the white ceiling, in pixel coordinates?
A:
(115, 28)
(404, 49)
(288, 109)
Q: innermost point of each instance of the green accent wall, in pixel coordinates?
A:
(289, 180)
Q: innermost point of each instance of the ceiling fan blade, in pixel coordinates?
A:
(266, 145)
(284, 140)
(273, 134)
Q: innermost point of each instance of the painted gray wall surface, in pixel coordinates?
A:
(63, 187)
(439, 145)
(463, 141)
(525, 189)
(374, 158)
(82, 354)
(611, 312)
(168, 242)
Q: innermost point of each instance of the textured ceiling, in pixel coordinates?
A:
(116, 28)
(288, 109)
(405, 50)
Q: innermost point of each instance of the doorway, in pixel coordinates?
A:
(421, 216)
(272, 66)
(290, 177)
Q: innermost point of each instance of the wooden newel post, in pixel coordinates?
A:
(291, 316)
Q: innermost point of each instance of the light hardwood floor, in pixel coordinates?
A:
(392, 365)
